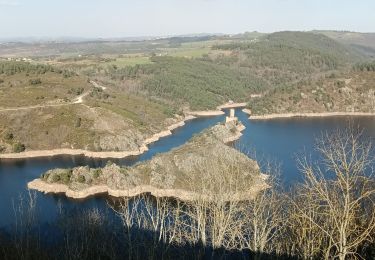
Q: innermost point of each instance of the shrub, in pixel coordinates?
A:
(55, 178)
(340, 83)
(109, 163)
(8, 136)
(76, 91)
(233, 130)
(169, 111)
(66, 175)
(18, 147)
(97, 173)
(44, 176)
(78, 122)
(79, 91)
(35, 81)
(81, 179)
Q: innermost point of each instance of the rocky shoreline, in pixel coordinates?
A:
(122, 154)
(180, 194)
(173, 174)
(247, 111)
(102, 155)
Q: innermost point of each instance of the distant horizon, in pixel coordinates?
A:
(160, 18)
(25, 39)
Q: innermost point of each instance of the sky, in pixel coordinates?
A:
(127, 18)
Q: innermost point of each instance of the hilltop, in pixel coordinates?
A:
(362, 42)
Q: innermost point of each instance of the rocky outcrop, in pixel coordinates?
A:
(246, 111)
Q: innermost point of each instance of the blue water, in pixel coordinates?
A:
(15, 174)
(278, 140)
(283, 141)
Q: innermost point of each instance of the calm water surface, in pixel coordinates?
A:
(279, 140)
(285, 140)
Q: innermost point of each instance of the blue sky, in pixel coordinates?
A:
(120, 18)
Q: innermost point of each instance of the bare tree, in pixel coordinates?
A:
(336, 201)
(217, 213)
(264, 216)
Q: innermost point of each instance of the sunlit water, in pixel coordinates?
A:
(280, 140)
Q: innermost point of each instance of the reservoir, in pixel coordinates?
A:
(278, 140)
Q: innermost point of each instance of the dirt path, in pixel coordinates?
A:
(96, 85)
(77, 100)
(37, 106)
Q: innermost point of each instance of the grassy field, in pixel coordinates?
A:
(187, 52)
(130, 61)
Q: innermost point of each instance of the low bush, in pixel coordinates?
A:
(8, 136)
(66, 175)
(81, 179)
(55, 178)
(18, 147)
(35, 81)
(97, 173)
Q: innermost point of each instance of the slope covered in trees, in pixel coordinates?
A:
(197, 83)
(266, 64)
(287, 57)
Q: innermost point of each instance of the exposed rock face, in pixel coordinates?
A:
(203, 166)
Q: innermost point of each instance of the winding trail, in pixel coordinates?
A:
(96, 85)
(77, 100)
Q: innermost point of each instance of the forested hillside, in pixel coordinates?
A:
(286, 57)
(150, 81)
(362, 42)
(266, 64)
(197, 83)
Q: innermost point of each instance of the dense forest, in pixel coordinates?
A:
(365, 66)
(267, 64)
(200, 84)
(287, 57)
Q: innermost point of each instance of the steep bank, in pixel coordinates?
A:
(136, 151)
(106, 154)
(348, 93)
(194, 170)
